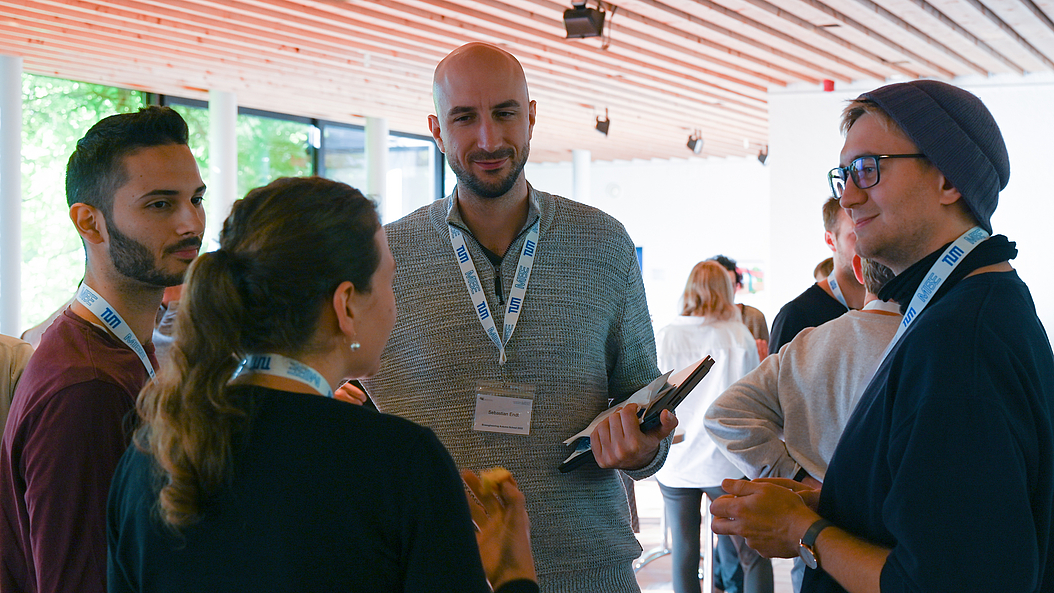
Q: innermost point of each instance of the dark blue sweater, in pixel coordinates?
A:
(949, 457)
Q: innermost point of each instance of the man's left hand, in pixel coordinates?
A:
(618, 443)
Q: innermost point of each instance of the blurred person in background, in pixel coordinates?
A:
(709, 324)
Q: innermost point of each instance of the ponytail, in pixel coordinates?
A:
(284, 249)
(187, 412)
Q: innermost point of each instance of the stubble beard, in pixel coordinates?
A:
(133, 260)
(497, 188)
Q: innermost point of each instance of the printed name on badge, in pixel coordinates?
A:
(505, 409)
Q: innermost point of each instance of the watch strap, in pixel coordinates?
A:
(809, 539)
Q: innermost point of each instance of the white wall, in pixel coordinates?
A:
(805, 142)
(680, 211)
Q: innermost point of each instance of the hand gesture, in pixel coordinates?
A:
(771, 514)
(502, 530)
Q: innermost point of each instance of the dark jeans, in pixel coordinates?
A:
(737, 568)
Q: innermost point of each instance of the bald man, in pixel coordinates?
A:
(572, 333)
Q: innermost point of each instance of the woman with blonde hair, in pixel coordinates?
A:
(247, 475)
(709, 325)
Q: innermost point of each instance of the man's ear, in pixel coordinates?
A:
(828, 237)
(949, 195)
(532, 111)
(89, 222)
(345, 300)
(433, 126)
(858, 268)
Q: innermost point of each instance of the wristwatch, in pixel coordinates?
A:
(805, 546)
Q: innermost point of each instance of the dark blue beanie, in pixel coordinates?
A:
(957, 133)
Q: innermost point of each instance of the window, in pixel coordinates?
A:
(269, 145)
(55, 114)
(412, 178)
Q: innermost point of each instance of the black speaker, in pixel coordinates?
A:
(583, 22)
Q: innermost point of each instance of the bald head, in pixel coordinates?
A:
(473, 65)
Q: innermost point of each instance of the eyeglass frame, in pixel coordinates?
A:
(847, 173)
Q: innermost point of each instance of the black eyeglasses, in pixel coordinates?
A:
(863, 170)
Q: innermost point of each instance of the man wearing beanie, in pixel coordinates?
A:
(944, 477)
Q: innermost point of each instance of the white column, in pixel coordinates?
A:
(580, 164)
(10, 194)
(223, 162)
(377, 169)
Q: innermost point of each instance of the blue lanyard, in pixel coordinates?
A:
(479, 298)
(833, 283)
(277, 365)
(113, 320)
(939, 272)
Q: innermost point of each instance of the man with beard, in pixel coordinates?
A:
(831, 297)
(943, 479)
(576, 339)
(135, 199)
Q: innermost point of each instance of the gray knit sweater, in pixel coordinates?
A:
(584, 336)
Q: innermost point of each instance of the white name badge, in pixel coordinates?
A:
(503, 408)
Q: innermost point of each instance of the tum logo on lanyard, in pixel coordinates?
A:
(953, 255)
(111, 318)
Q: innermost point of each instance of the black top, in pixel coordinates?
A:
(949, 456)
(812, 308)
(324, 496)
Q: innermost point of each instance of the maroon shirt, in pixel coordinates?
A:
(71, 419)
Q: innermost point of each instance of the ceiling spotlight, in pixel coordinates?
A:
(603, 124)
(695, 142)
(763, 155)
(582, 22)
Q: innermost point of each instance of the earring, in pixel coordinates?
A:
(354, 346)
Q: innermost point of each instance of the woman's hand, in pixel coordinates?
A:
(349, 392)
(502, 530)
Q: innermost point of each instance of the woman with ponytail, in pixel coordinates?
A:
(245, 476)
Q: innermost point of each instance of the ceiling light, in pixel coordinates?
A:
(603, 124)
(763, 155)
(582, 22)
(695, 142)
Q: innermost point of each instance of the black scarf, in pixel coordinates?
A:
(901, 288)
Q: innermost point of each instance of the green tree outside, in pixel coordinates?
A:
(55, 114)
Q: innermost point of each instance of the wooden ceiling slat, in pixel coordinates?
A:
(595, 64)
(919, 34)
(753, 43)
(856, 26)
(77, 36)
(1010, 32)
(623, 55)
(1038, 13)
(669, 67)
(626, 51)
(788, 17)
(704, 42)
(950, 24)
(784, 37)
(149, 48)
